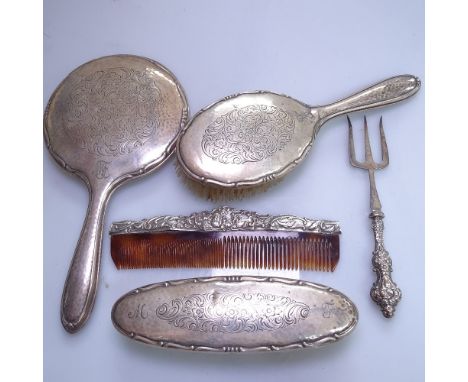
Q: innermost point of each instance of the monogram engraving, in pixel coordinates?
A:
(112, 111)
(232, 312)
(102, 169)
(139, 313)
(248, 134)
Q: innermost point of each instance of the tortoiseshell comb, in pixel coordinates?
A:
(226, 238)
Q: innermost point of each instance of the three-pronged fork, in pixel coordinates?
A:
(384, 291)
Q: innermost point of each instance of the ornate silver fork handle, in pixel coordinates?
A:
(384, 291)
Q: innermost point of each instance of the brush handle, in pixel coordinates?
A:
(384, 291)
(386, 92)
(81, 284)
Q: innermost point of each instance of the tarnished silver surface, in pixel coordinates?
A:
(225, 219)
(384, 291)
(249, 139)
(111, 120)
(235, 314)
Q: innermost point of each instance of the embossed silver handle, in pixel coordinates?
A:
(81, 284)
(386, 92)
(384, 291)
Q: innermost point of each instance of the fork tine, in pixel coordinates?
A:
(383, 143)
(368, 150)
(352, 152)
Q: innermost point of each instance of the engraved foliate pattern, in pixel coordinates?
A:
(112, 111)
(232, 312)
(248, 134)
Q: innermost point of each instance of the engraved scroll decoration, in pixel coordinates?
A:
(232, 312)
(248, 134)
(112, 111)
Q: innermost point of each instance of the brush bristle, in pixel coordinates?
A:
(244, 249)
(219, 194)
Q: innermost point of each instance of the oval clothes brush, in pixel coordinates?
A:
(253, 139)
(111, 120)
(235, 314)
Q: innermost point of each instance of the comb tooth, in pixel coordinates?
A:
(188, 253)
(218, 252)
(242, 252)
(269, 252)
(238, 250)
(261, 247)
(322, 255)
(277, 253)
(315, 251)
(257, 254)
(284, 253)
(280, 253)
(318, 249)
(236, 253)
(233, 252)
(174, 250)
(312, 253)
(300, 253)
(226, 251)
(249, 252)
(325, 255)
(180, 251)
(273, 252)
(262, 253)
(209, 259)
(245, 257)
(310, 249)
(296, 254)
(240, 245)
(253, 253)
(230, 252)
(304, 254)
(319, 255)
(293, 254)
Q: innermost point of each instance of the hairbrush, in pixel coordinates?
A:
(226, 238)
(254, 139)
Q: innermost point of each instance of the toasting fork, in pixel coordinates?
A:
(384, 291)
